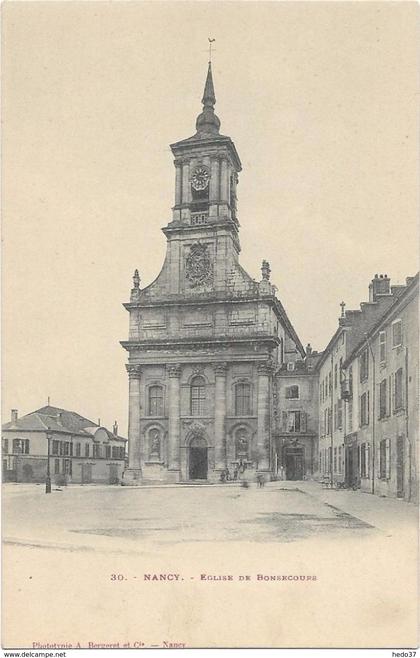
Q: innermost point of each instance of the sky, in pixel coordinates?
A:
(320, 100)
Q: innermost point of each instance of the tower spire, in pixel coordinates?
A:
(209, 99)
(207, 122)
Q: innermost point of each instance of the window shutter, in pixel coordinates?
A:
(393, 392)
(367, 415)
(389, 395)
(388, 458)
(303, 421)
(402, 389)
(284, 420)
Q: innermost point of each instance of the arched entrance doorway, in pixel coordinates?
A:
(294, 462)
(198, 459)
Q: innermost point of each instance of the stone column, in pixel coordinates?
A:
(214, 181)
(224, 181)
(214, 191)
(178, 182)
(219, 416)
(174, 420)
(263, 416)
(133, 474)
(186, 182)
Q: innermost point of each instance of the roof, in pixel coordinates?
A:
(57, 420)
(359, 323)
(400, 293)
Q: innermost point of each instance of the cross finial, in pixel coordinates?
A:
(343, 306)
(210, 42)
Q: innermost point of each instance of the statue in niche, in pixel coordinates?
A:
(242, 445)
(154, 444)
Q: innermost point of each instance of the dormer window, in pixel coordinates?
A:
(291, 366)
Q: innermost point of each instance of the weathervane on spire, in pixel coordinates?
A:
(210, 42)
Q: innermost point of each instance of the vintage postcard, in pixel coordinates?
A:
(210, 325)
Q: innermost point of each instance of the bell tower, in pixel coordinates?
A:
(206, 170)
(203, 241)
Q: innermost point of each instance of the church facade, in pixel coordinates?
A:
(206, 341)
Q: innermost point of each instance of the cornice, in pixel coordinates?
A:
(229, 341)
(197, 301)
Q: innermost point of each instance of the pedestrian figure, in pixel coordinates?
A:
(227, 474)
(235, 473)
(260, 480)
(223, 476)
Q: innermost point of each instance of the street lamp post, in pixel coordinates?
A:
(48, 478)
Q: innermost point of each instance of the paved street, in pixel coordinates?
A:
(118, 518)
(63, 552)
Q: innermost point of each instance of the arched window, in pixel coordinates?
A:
(155, 401)
(242, 399)
(198, 396)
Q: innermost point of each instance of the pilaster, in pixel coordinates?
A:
(263, 416)
(220, 414)
(174, 373)
(132, 475)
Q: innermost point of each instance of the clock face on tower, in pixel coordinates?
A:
(200, 179)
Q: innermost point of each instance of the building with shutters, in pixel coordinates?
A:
(295, 423)
(368, 394)
(382, 457)
(205, 339)
(78, 450)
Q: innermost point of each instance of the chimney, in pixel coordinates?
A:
(115, 428)
(14, 415)
(380, 285)
(99, 421)
(308, 349)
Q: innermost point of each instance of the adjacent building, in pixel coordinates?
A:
(77, 449)
(368, 394)
(384, 390)
(295, 425)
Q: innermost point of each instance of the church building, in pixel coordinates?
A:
(205, 340)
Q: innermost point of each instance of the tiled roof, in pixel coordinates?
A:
(57, 420)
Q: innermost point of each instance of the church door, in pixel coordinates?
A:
(294, 464)
(198, 459)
